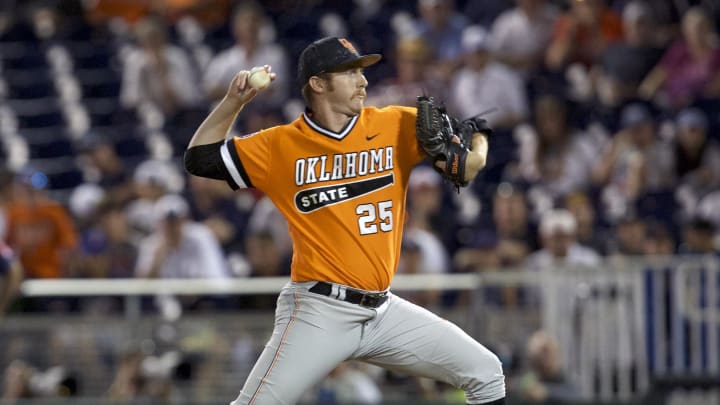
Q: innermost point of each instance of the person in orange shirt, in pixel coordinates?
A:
(11, 275)
(39, 230)
(582, 34)
(339, 174)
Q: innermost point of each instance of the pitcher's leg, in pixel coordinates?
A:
(301, 351)
(412, 340)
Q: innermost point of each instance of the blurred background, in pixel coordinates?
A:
(585, 254)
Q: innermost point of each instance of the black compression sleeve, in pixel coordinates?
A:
(205, 161)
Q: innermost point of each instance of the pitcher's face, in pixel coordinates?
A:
(346, 90)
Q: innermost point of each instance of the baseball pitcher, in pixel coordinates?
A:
(339, 173)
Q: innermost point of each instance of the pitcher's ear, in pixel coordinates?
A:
(317, 84)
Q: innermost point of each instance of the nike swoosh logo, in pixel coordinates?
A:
(371, 137)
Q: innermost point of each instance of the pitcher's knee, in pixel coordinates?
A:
(486, 383)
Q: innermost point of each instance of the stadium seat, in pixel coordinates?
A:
(98, 83)
(47, 143)
(89, 55)
(18, 55)
(78, 30)
(67, 179)
(106, 111)
(62, 173)
(29, 83)
(37, 113)
(32, 90)
(19, 31)
(131, 147)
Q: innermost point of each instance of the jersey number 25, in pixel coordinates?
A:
(370, 217)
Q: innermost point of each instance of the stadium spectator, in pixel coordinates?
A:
(179, 248)
(39, 229)
(105, 167)
(625, 63)
(441, 26)
(251, 48)
(511, 221)
(698, 238)
(141, 378)
(635, 161)
(265, 217)
(107, 249)
(697, 156)
(582, 34)
(83, 203)
(23, 381)
(545, 381)
(424, 251)
(225, 214)
(264, 255)
(347, 384)
(152, 179)
(481, 84)
(413, 261)
(558, 238)
(520, 36)
(690, 68)
(552, 154)
(658, 240)
(629, 237)
(10, 278)
(412, 59)
(428, 224)
(590, 233)
(158, 72)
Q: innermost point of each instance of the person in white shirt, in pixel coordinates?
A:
(179, 248)
(250, 49)
(520, 35)
(482, 84)
(158, 72)
(558, 238)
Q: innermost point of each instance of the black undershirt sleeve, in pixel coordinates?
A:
(205, 161)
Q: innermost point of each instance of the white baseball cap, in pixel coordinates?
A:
(475, 38)
(171, 205)
(424, 176)
(558, 220)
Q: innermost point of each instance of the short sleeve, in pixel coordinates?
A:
(247, 159)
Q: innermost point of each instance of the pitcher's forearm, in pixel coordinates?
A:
(477, 158)
(217, 124)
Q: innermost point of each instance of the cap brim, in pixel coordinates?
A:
(363, 62)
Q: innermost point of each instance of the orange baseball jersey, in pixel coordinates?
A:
(343, 194)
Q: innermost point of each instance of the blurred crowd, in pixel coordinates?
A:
(606, 117)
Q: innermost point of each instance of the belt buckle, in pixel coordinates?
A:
(370, 300)
(365, 301)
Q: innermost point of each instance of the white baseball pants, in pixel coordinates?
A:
(314, 333)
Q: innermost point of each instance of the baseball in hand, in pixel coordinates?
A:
(258, 78)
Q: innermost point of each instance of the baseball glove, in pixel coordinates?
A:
(445, 138)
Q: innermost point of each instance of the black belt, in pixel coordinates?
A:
(365, 299)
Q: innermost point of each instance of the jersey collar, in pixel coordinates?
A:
(324, 131)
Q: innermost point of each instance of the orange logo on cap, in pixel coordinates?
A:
(347, 45)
